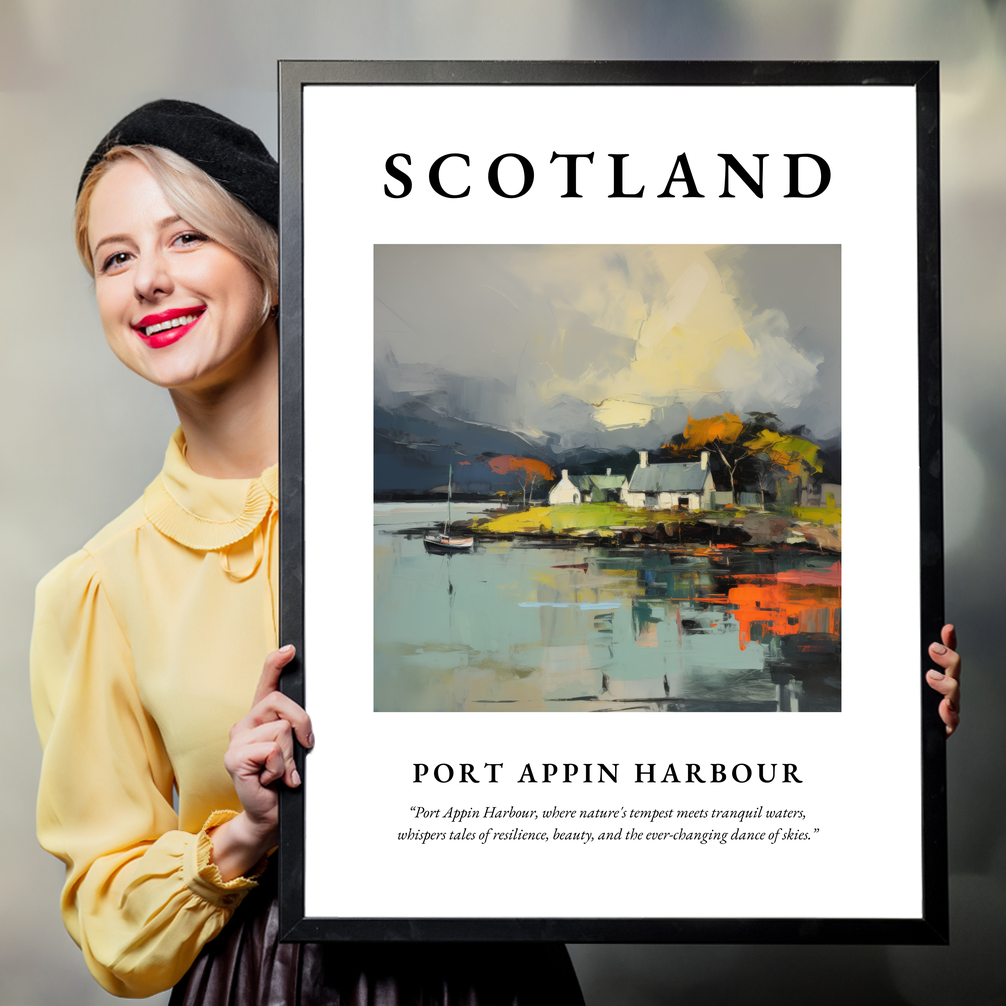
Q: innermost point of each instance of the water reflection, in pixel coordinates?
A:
(532, 626)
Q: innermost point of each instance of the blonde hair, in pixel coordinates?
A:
(199, 200)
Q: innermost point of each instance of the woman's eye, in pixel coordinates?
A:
(114, 261)
(190, 238)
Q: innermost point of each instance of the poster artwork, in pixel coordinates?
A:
(607, 478)
(616, 427)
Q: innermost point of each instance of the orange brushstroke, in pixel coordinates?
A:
(786, 608)
(726, 427)
(504, 463)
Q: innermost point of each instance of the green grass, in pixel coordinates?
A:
(820, 514)
(596, 517)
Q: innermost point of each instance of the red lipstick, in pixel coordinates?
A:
(166, 327)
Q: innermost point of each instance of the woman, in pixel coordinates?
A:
(148, 643)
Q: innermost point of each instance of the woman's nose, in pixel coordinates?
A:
(152, 277)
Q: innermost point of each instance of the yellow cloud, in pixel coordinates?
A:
(617, 415)
(644, 327)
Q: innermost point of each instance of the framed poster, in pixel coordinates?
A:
(652, 355)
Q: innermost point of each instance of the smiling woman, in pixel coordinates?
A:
(158, 279)
(154, 665)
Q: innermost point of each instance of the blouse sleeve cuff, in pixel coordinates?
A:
(202, 876)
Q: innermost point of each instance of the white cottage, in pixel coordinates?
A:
(564, 491)
(686, 484)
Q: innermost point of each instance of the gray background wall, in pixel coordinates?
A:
(82, 437)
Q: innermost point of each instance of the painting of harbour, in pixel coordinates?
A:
(607, 479)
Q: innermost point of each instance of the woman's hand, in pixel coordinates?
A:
(260, 754)
(947, 682)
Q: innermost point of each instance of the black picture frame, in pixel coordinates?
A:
(931, 927)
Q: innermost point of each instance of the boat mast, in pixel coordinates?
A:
(450, 473)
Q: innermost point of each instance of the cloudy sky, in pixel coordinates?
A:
(607, 347)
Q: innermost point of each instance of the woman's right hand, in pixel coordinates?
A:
(260, 753)
(948, 681)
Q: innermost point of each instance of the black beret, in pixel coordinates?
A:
(230, 154)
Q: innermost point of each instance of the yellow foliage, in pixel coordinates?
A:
(794, 454)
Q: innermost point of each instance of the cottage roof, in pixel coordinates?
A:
(688, 476)
(586, 483)
(607, 481)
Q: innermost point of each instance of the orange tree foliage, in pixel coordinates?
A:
(522, 467)
(725, 428)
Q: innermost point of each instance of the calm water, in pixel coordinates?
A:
(524, 626)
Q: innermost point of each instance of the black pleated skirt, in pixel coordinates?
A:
(246, 965)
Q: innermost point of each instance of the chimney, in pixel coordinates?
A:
(644, 458)
(565, 473)
(704, 456)
(607, 471)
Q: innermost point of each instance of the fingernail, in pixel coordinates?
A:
(287, 649)
(295, 777)
(936, 676)
(938, 648)
(310, 740)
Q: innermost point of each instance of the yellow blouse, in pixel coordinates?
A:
(147, 647)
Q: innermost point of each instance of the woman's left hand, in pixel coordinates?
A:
(948, 681)
(259, 756)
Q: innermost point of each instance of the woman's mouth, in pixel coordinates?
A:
(158, 330)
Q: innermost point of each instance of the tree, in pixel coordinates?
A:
(526, 472)
(797, 457)
(531, 482)
(756, 443)
(725, 434)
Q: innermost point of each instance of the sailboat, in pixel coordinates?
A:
(444, 541)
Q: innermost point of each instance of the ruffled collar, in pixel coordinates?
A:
(203, 513)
